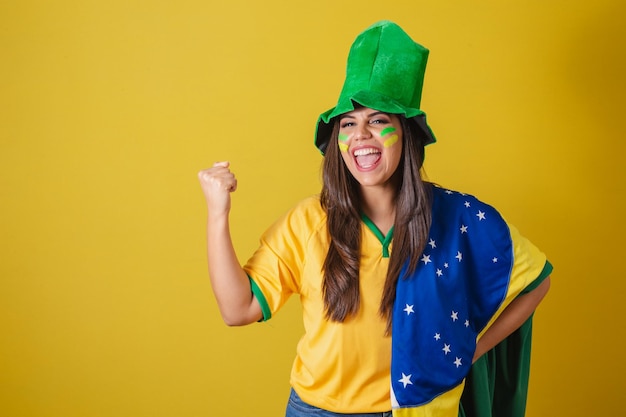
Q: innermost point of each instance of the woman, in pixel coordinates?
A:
(392, 293)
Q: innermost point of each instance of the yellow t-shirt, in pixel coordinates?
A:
(340, 367)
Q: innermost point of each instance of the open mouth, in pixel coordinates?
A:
(366, 157)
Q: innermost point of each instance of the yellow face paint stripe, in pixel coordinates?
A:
(343, 138)
(393, 139)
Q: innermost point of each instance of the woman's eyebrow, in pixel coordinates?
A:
(372, 114)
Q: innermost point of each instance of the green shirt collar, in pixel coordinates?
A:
(385, 241)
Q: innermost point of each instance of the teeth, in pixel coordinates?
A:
(365, 151)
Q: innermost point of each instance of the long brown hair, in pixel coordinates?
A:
(341, 200)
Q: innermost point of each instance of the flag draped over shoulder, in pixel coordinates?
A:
(460, 283)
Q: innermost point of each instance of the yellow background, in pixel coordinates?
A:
(109, 108)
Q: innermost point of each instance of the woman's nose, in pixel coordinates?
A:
(362, 132)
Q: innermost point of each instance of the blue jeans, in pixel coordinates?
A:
(298, 408)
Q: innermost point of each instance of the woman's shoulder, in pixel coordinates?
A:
(454, 202)
(308, 206)
(311, 202)
(306, 215)
(452, 195)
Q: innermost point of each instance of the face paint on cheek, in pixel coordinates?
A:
(387, 131)
(392, 139)
(343, 138)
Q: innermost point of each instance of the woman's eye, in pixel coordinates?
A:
(346, 124)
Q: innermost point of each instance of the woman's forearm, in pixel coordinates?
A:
(513, 316)
(230, 283)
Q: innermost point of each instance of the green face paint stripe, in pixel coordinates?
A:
(387, 131)
(390, 141)
(343, 137)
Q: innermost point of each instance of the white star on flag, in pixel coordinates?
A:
(494, 260)
(457, 362)
(406, 379)
(409, 309)
(463, 229)
(454, 316)
(446, 349)
(481, 215)
(437, 336)
(439, 272)
(459, 256)
(432, 244)
(426, 259)
(466, 323)
(467, 204)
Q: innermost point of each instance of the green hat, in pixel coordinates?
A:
(385, 72)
